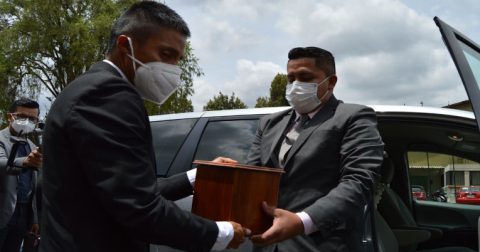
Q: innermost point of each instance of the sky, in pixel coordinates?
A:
(387, 52)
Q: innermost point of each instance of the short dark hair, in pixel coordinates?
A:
(323, 58)
(27, 103)
(144, 19)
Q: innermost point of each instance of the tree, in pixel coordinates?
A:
(222, 102)
(277, 93)
(48, 44)
(178, 102)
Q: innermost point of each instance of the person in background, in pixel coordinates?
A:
(18, 214)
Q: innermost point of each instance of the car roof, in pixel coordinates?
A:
(381, 110)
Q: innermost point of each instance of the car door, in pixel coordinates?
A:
(211, 137)
(458, 222)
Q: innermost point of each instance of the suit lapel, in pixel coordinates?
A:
(325, 112)
(281, 129)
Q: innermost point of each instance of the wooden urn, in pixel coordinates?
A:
(233, 192)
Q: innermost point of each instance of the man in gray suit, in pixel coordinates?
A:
(331, 152)
(17, 185)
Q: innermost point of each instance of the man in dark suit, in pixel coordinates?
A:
(331, 153)
(17, 185)
(100, 191)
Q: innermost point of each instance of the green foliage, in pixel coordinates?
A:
(178, 102)
(277, 93)
(262, 102)
(48, 43)
(222, 102)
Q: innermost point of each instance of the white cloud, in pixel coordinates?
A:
(252, 80)
(203, 93)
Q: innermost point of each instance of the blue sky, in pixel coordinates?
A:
(387, 52)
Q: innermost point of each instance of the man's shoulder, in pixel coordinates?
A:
(100, 73)
(352, 107)
(5, 134)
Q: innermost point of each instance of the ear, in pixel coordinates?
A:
(332, 81)
(123, 45)
(10, 116)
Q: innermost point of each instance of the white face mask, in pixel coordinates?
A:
(303, 96)
(155, 81)
(24, 126)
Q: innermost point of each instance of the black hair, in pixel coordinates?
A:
(145, 19)
(324, 60)
(27, 103)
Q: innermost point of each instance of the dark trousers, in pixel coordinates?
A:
(11, 236)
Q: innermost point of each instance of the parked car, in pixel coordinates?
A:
(418, 192)
(468, 195)
(179, 139)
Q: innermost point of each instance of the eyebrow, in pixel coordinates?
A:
(303, 73)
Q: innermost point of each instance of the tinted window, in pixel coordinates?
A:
(231, 139)
(416, 189)
(168, 137)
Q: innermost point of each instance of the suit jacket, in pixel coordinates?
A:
(331, 172)
(9, 181)
(100, 191)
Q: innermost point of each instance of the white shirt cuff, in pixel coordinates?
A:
(192, 174)
(308, 224)
(225, 235)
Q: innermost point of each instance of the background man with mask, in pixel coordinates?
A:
(331, 153)
(17, 186)
(100, 191)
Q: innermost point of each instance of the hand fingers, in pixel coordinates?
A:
(270, 210)
(265, 239)
(36, 154)
(247, 232)
(224, 160)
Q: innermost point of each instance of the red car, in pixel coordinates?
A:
(418, 192)
(469, 195)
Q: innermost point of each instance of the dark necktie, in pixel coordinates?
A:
(290, 138)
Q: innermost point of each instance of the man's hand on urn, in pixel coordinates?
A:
(239, 234)
(224, 160)
(286, 225)
(34, 159)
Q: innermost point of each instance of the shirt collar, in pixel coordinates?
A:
(116, 67)
(311, 114)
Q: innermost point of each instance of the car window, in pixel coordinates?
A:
(473, 59)
(168, 137)
(442, 173)
(231, 139)
(416, 189)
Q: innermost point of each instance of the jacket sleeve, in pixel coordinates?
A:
(4, 168)
(361, 156)
(175, 187)
(111, 130)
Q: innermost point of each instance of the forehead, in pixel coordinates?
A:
(302, 65)
(27, 111)
(168, 38)
(305, 63)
